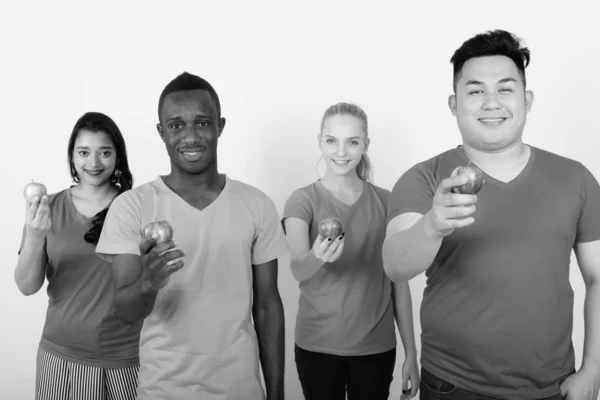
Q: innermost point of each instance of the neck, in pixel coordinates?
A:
(350, 181)
(100, 192)
(507, 157)
(207, 180)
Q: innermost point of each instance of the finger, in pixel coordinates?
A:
(31, 209)
(457, 223)
(324, 246)
(339, 250)
(447, 184)
(161, 248)
(147, 244)
(170, 255)
(173, 267)
(457, 199)
(335, 244)
(459, 212)
(318, 240)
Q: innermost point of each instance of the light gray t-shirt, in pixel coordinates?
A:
(346, 308)
(199, 341)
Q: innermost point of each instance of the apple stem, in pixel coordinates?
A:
(469, 164)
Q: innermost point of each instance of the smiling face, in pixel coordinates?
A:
(190, 129)
(94, 157)
(491, 103)
(343, 142)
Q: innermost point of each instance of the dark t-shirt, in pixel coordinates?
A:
(346, 308)
(81, 323)
(497, 311)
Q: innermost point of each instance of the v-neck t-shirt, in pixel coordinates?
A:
(81, 323)
(199, 340)
(346, 308)
(497, 310)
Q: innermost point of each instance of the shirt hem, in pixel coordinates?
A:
(88, 361)
(460, 384)
(348, 353)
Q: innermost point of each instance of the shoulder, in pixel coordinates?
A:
(246, 191)
(559, 167)
(58, 200)
(383, 194)
(430, 171)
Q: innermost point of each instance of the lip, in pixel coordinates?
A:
(94, 171)
(192, 154)
(492, 120)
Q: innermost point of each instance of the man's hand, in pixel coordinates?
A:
(582, 385)
(158, 263)
(449, 210)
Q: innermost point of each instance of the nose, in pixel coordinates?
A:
(341, 150)
(491, 102)
(191, 134)
(95, 160)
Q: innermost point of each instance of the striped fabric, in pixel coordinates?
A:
(58, 379)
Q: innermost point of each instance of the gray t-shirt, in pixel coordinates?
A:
(81, 323)
(346, 308)
(497, 311)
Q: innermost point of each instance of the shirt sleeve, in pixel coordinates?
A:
(270, 242)
(121, 232)
(298, 205)
(412, 192)
(588, 225)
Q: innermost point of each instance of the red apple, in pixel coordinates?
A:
(330, 228)
(162, 228)
(33, 190)
(475, 179)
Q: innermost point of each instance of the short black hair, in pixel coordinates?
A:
(186, 82)
(491, 43)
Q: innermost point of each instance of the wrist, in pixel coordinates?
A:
(429, 230)
(34, 239)
(146, 288)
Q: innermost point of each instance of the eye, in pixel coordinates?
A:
(477, 91)
(106, 153)
(354, 143)
(506, 90)
(329, 141)
(204, 123)
(176, 126)
(83, 153)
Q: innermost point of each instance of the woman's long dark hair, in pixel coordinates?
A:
(121, 178)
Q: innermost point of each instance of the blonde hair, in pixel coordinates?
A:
(363, 169)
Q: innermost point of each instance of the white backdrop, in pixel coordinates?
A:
(276, 66)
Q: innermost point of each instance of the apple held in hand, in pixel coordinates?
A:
(34, 189)
(475, 179)
(330, 228)
(162, 229)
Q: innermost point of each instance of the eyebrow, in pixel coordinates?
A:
(179, 117)
(101, 148)
(353, 137)
(503, 80)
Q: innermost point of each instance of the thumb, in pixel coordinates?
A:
(405, 379)
(147, 243)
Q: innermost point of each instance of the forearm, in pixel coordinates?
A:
(404, 317)
(269, 321)
(31, 266)
(408, 253)
(305, 266)
(591, 346)
(133, 304)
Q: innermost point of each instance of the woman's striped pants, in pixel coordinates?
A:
(58, 379)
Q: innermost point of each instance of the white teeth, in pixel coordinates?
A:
(187, 153)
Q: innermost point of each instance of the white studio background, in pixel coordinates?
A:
(277, 66)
